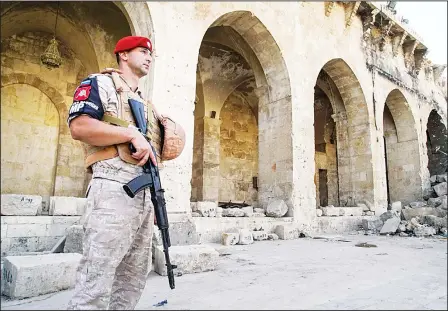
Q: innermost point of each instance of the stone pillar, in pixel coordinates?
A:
(210, 170)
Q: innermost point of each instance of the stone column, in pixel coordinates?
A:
(210, 170)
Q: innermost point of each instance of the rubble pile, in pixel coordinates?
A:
(421, 218)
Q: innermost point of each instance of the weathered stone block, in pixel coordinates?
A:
(424, 231)
(441, 178)
(230, 238)
(434, 221)
(351, 211)
(248, 211)
(20, 205)
(259, 210)
(206, 209)
(408, 214)
(396, 207)
(276, 208)
(418, 204)
(258, 215)
(29, 276)
(259, 235)
(287, 232)
(73, 241)
(232, 212)
(364, 207)
(245, 237)
(188, 258)
(434, 202)
(441, 189)
(444, 200)
(390, 226)
(374, 225)
(67, 206)
(433, 179)
(330, 211)
(272, 236)
(318, 212)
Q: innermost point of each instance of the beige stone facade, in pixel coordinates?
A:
(315, 103)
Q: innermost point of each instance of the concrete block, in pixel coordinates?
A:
(230, 238)
(67, 206)
(182, 233)
(287, 232)
(245, 237)
(188, 258)
(259, 235)
(73, 242)
(276, 208)
(351, 211)
(206, 209)
(29, 276)
(390, 226)
(441, 189)
(330, 211)
(20, 205)
(409, 213)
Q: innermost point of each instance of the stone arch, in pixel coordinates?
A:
(400, 136)
(436, 143)
(351, 115)
(44, 87)
(244, 33)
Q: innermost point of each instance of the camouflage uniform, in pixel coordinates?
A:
(117, 229)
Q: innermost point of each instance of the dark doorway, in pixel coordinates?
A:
(323, 188)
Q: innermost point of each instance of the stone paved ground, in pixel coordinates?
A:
(400, 273)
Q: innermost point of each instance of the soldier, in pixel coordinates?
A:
(117, 229)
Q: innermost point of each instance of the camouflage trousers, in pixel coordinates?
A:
(116, 256)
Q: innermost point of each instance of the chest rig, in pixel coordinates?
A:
(124, 118)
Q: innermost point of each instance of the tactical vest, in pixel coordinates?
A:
(124, 118)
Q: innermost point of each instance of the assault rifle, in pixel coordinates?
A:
(151, 179)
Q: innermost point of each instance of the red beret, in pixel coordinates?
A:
(130, 42)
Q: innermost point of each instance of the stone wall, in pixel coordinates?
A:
(238, 151)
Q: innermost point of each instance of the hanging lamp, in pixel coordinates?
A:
(51, 58)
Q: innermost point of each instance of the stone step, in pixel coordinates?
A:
(33, 275)
(20, 205)
(188, 258)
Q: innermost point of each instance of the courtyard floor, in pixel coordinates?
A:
(307, 273)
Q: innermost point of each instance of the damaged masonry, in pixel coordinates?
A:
(287, 136)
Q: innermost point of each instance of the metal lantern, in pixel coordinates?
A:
(51, 58)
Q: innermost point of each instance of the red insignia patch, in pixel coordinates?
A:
(82, 93)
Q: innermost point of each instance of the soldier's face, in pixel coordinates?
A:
(139, 60)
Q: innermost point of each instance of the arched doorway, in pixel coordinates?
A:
(436, 144)
(86, 33)
(400, 137)
(242, 139)
(343, 157)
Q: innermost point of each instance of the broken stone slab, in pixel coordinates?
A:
(20, 205)
(287, 232)
(206, 209)
(230, 238)
(441, 178)
(374, 225)
(402, 226)
(67, 206)
(188, 258)
(29, 276)
(232, 212)
(272, 236)
(330, 211)
(443, 204)
(248, 211)
(259, 235)
(245, 237)
(390, 226)
(422, 231)
(434, 202)
(418, 204)
(408, 214)
(433, 221)
(276, 208)
(73, 241)
(319, 212)
(441, 189)
(387, 215)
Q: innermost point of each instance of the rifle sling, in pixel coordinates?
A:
(115, 121)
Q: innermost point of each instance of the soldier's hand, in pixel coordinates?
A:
(143, 149)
